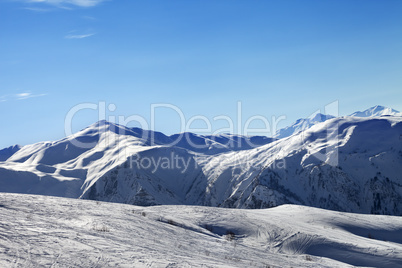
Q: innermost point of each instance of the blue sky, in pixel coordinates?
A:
(276, 57)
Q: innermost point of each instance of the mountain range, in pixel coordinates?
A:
(350, 163)
(305, 123)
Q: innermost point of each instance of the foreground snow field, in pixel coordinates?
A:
(60, 232)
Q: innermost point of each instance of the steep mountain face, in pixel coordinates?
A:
(348, 164)
(356, 167)
(345, 164)
(377, 110)
(6, 153)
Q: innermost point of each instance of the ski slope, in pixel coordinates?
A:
(60, 232)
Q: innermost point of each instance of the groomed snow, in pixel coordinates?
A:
(48, 231)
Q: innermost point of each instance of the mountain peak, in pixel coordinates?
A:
(375, 111)
(302, 124)
(319, 117)
(8, 152)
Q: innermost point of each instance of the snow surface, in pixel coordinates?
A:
(43, 231)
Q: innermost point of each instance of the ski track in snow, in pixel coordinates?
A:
(43, 231)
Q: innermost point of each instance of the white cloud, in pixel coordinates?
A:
(78, 36)
(23, 95)
(80, 3)
(27, 95)
(20, 96)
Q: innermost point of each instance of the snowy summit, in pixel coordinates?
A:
(377, 110)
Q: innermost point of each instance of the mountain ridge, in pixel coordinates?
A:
(345, 163)
(302, 124)
(375, 111)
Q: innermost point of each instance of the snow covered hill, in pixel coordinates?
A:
(350, 164)
(43, 231)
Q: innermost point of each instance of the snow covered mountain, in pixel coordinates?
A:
(44, 231)
(70, 166)
(377, 110)
(348, 164)
(305, 123)
(301, 125)
(8, 152)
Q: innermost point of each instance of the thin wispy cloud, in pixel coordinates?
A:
(23, 95)
(64, 3)
(20, 96)
(78, 36)
(38, 9)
